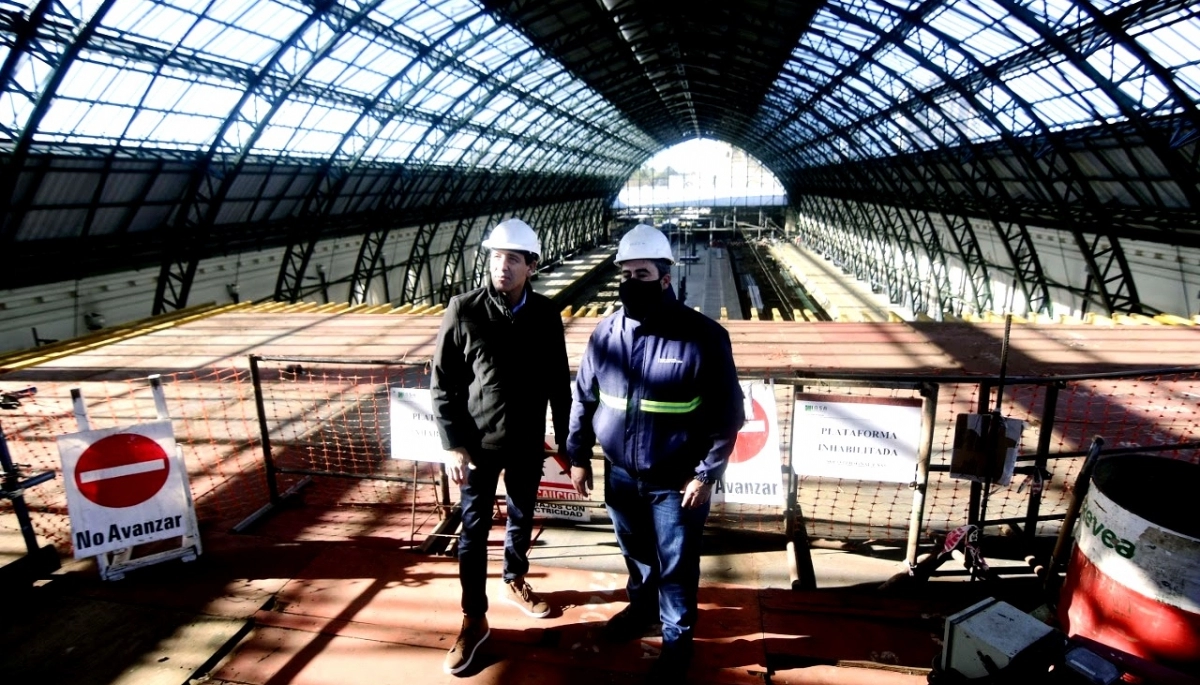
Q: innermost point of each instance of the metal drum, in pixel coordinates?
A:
(1134, 578)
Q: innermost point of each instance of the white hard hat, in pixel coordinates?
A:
(644, 242)
(513, 234)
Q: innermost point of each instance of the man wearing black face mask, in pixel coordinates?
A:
(657, 387)
(643, 299)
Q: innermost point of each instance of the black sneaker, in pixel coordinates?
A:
(630, 623)
(671, 667)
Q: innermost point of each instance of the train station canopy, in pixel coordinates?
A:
(137, 131)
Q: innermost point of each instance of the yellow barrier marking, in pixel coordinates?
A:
(133, 329)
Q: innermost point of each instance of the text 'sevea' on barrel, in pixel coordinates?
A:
(1134, 578)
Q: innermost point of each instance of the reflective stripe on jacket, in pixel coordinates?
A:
(661, 397)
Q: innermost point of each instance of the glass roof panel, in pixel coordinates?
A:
(1174, 42)
(172, 73)
(86, 120)
(914, 135)
(810, 125)
(1125, 70)
(197, 97)
(941, 58)
(1059, 14)
(907, 67)
(967, 117)
(958, 41)
(355, 64)
(441, 91)
(1007, 112)
(487, 153)
(388, 60)
(863, 97)
(882, 15)
(961, 23)
(327, 123)
(167, 23)
(1064, 96)
(895, 89)
(499, 49)
(1189, 79)
(426, 21)
(834, 41)
(867, 145)
(180, 129)
(998, 35)
(221, 33)
(532, 76)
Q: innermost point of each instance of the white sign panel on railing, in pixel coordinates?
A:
(755, 473)
(415, 436)
(125, 486)
(860, 438)
(414, 429)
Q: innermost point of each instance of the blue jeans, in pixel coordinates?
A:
(522, 476)
(661, 543)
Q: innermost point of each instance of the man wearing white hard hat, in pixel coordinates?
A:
(500, 359)
(657, 387)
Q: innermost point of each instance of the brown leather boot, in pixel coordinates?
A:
(520, 593)
(474, 632)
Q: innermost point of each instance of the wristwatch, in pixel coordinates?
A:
(703, 478)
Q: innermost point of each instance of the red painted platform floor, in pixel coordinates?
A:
(365, 615)
(281, 609)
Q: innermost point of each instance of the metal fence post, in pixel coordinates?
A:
(976, 499)
(1041, 458)
(924, 451)
(260, 407)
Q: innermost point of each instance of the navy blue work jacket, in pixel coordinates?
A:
(662, 397)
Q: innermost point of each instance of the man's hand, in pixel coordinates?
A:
(458, 462)
(696, 494)
(581, 476)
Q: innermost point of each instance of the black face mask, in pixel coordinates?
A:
(641, 298)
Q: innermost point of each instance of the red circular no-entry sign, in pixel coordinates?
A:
(122, 470)
(753, 436)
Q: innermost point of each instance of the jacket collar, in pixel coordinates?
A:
(501, 302)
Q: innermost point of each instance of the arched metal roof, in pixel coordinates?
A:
(138, 132)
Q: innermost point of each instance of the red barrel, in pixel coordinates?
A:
(1134, 578)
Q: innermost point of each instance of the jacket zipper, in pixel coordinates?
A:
(635, 405)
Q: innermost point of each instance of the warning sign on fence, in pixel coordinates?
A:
(863, 438)
(125, 486)
(755, 474)
(414, 430)
(556, 485)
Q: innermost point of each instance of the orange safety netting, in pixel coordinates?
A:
(330, 421)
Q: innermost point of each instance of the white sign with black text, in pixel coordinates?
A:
(860, 438)
(125, 486)
(414, 430)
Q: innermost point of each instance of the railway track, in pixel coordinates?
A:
(768, 287)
